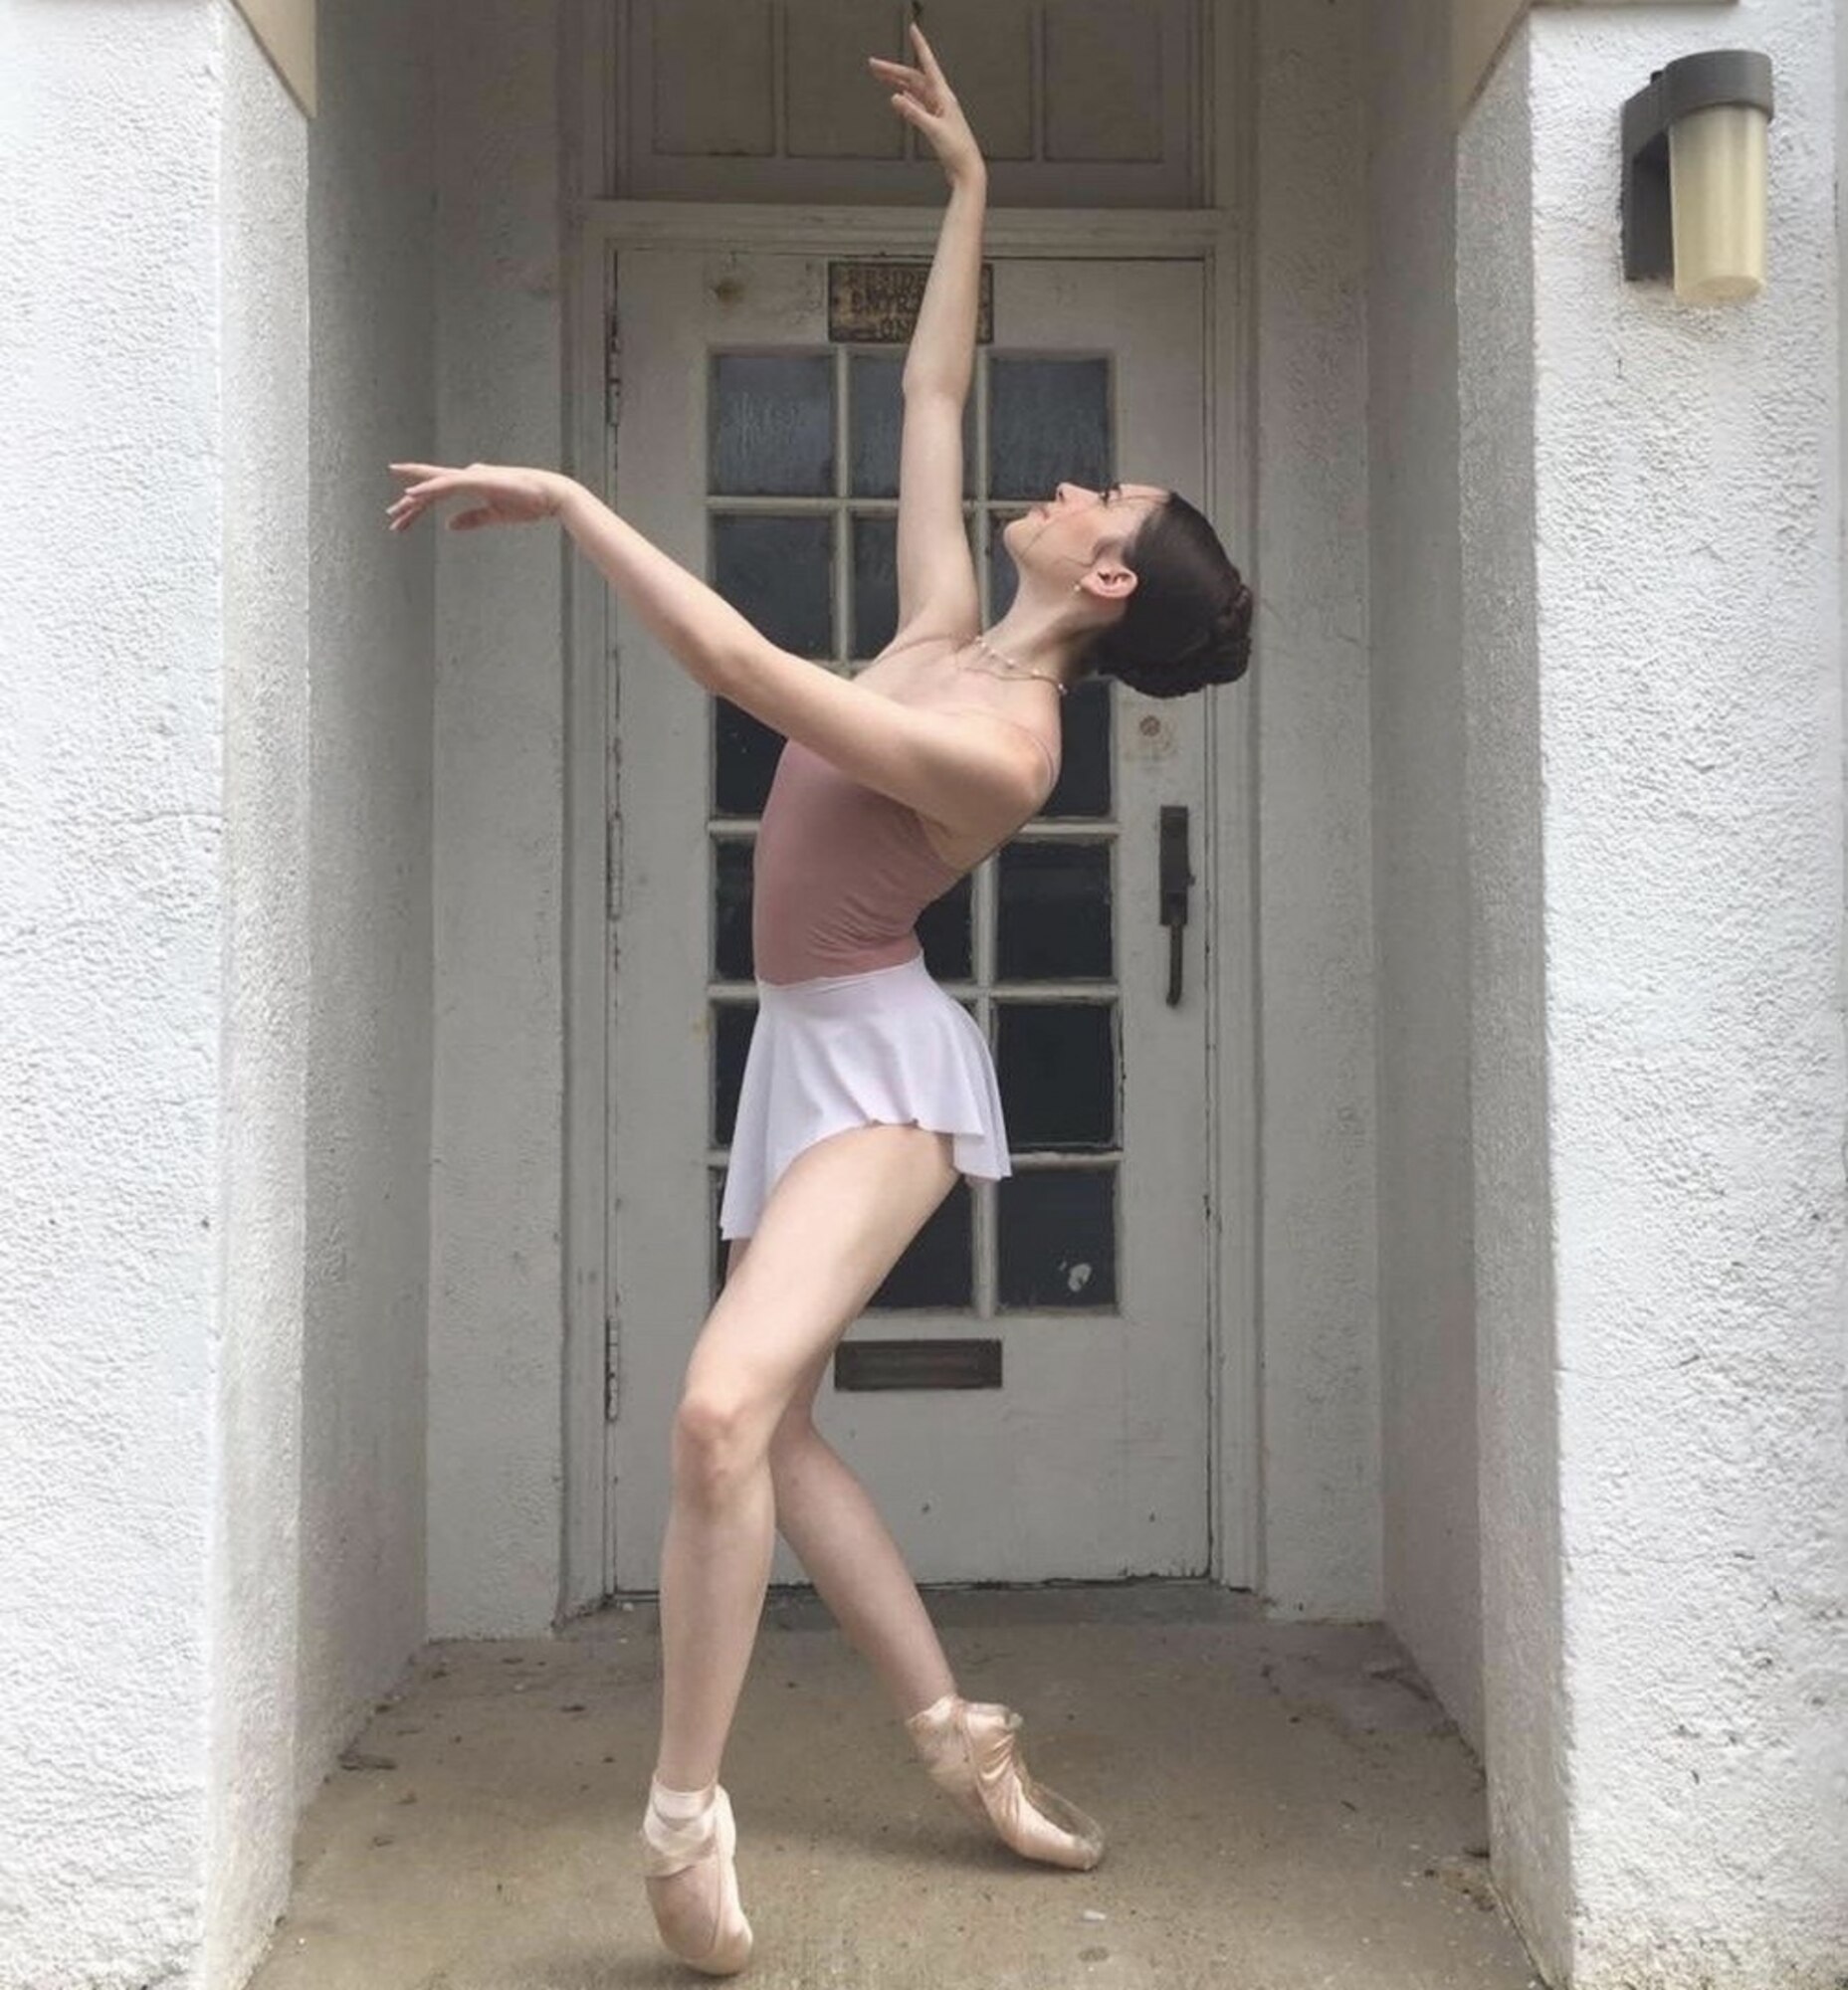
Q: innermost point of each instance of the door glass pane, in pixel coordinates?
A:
(939, 1266)
(730, 1039)
(945, 932)
(731, 959)
(876, 421)
(1086, 717)
(1048, 423)
(744, 752)
(770, 430)
(1057, 1068)
(1058, 1239)
(1055, 912)
(875, 585)
(778, 573)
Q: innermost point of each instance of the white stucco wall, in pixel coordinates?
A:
(1524, 1713)
(153, 629)
(1427, 1296)
(256, 1342)
(1316, 1275)
(495, 1354)
(1681, 616)
(371, 242)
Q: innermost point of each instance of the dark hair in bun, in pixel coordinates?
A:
(1188, 622)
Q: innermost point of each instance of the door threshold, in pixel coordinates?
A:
(796, 1606)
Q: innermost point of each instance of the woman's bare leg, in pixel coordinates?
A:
(834, 1226)
(825, 1515)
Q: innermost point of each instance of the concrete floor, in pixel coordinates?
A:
(1285, 1804)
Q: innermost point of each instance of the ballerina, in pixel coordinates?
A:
(867, 1087)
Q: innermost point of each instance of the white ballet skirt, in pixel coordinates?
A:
(887, 1047)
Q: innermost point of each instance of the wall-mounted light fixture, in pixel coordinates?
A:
(1695, 175)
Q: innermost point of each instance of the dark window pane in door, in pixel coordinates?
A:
(876, 587)
(731, 957)
(945, 933)
(730, 1041)
(722, 1250)
(876, 583)
(1048, 424)
(745, 756)
(778, 573)
(938, 1269)
(1084, 787)
(1055, 1234)
(1057, 1068)
(875, 426)
(1055, 912)
(771, 425)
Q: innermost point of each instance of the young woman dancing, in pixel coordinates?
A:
(867, 1089)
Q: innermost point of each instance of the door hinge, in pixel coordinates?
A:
(612, 1387)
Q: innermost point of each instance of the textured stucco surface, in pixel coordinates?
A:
(496, 1432)
(370, 237)
(156, 977)
(112, 983)
(1524, 1713)
(256, 1342)
(163, 921)
(1681, 612)
(1317, 1285)
(1427, 1298)
(1692, 744)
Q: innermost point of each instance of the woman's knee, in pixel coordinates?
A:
(718, 1442)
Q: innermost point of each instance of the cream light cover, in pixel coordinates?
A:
(1717, 196)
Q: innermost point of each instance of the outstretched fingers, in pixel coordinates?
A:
(931, 62)
(424, 484)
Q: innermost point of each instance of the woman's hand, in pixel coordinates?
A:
(924, 99)
(502, 496)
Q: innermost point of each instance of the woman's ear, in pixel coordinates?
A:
(1112, 581)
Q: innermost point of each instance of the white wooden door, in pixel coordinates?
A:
(1059, 1320)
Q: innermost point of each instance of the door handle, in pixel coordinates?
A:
(1177, 878)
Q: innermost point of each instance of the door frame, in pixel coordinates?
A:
(1219, 237)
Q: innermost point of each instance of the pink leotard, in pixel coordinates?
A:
(839, 877)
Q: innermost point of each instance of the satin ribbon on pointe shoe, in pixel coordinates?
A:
(708, 1931)
(970, 1750)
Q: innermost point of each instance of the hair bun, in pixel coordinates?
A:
(1187, 623)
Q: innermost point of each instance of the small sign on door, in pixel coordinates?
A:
(877, 303)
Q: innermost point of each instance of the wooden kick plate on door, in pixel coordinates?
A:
(917, 1365)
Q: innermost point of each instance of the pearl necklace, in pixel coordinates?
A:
(1014, 669)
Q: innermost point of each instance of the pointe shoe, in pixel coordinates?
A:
(970, 1750)
(704, 1926)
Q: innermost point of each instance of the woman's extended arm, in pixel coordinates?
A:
(936, 579)
(972, 771)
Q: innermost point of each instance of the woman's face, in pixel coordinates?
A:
(1076, 527)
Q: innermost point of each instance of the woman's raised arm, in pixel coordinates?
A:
(936, 579)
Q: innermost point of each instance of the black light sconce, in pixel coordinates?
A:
(1695, 174)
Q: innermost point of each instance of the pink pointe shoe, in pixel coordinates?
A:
(970, 1749)
(703, 1926)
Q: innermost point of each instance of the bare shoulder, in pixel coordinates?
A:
(965, 846)
(904, 661)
